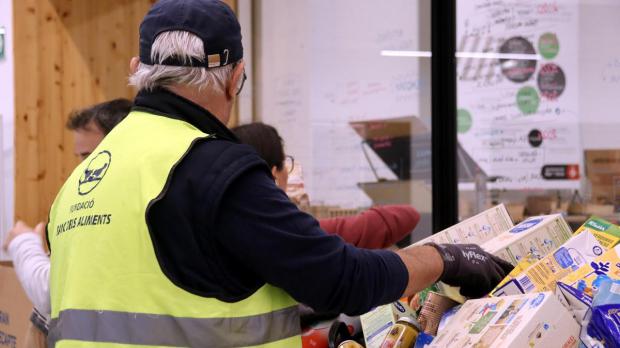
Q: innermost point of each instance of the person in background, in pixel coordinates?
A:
(92, 124)
(189, 241)
(376, 228)
(24, 244)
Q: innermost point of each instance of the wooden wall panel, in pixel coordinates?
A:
(69, 54)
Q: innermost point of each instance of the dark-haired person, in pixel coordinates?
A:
(24, 244)
(376, 228)
(193, 244)
(92, 124)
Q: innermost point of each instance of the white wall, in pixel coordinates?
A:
(600, 73)
(7, 110)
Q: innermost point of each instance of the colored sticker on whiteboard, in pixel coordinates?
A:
(535, 138)
(463, 121)
(528, 100)
(551, 81)
(517, 70)
(548, 45)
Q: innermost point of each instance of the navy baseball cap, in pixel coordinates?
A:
(211, 20)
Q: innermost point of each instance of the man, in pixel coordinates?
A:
(24, 244)
(172, 234)
(90, 125)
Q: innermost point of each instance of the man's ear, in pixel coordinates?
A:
(237, 75)
(133, 64)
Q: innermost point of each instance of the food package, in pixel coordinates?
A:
(603, 322)
(377, 323)
(537, 236)
(578, 287)
(607, 233)
(542, 275)
(475, 230)
(432, 311)
(585, 277)
(531, 320)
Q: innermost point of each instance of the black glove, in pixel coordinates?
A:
(473, 269)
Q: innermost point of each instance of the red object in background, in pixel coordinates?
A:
(318, 336)
(572, 172)
(315, 337)
(378, 227)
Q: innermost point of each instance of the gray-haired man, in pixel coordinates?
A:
(188, 241)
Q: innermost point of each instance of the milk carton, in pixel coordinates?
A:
(532, 320)
(477, 229)
(543, 274)
(607, 233)
(536, 236)
(377, 323)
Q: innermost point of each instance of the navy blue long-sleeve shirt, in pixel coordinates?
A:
(223, 229)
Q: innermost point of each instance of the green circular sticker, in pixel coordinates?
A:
(463, 121)
(528, 100)
(548, 45)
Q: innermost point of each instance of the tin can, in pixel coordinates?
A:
(350, 344)
(402, 335)
(432, 310)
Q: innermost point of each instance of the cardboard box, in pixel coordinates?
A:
(477, 229)
(537, 235)
(540, 205)
(15, 309)
(605, 232)
(377, 323)
(602, 168)
(532, 320)
(543, 274)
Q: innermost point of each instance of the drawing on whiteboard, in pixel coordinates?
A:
(611, 72)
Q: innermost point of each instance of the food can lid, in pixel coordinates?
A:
(410, 321)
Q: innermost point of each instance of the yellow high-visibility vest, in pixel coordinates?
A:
(107, 287)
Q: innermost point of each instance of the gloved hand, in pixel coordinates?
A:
(471, 268)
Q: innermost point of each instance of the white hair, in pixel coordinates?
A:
(184, 46)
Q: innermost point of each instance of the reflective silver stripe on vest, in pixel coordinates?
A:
(166, 330)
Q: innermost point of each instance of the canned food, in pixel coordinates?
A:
(432, 310)
(402, 335)
(350, 344)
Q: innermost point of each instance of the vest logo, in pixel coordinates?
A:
(94, 172)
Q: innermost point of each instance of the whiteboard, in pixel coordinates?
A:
(320, 68)
(516, 116)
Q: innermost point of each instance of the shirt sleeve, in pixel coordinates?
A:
(285, 247)
(376, 228)
(32, 266)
